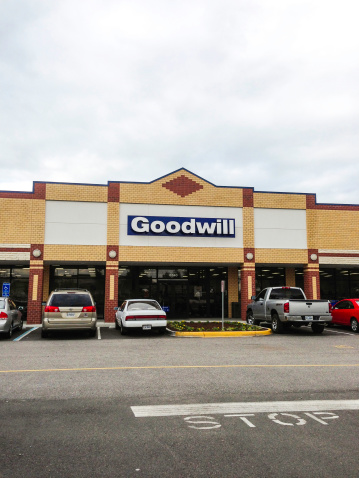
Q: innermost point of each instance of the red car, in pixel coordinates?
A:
(346, 312)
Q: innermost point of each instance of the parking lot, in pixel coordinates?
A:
(107, 331)
(150, 405)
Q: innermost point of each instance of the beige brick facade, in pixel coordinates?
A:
(332, 234)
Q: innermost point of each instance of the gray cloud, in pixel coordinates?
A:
(250, 93)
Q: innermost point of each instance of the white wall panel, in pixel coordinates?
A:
(280, 228)
(180, 211)
(76, 223)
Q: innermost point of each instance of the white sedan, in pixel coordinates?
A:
(145, 314)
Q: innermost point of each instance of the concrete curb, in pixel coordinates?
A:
(246, 333)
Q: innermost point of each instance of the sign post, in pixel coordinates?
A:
(223, 284)
(6, 289)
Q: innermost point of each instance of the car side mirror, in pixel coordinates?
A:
(20, 307)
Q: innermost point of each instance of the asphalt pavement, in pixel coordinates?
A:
(163, 406)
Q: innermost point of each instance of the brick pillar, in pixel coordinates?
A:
(111, 286)
(34, 307)
(248, 286)
(46, 283)
(311, 275)
(290, 276)
(312, 282)
(232, 288)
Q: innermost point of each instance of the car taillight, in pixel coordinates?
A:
(50, 308)
(89, 308)
(3, 315)
(148, 317)
(286, 308)
(330, 307)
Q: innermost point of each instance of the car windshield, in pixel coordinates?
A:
(70, 300)
(144, 305)
(286, 294)
(2, 304)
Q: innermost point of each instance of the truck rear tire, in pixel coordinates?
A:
(277, 326)
(317, 328)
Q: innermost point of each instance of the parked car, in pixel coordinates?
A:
(346, 312)
(69, 309)
(145, 314)
(10, 317)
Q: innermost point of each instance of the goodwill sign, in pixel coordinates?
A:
(180, 226)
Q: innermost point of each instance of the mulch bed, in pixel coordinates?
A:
(183, 326)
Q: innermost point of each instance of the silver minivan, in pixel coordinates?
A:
(10, 317)
(69, 309)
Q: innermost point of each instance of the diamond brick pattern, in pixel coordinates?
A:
(183, 186)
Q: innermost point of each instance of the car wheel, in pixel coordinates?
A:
(250, 319)
(277, 326)
(9, 333)
(354, 325)
(123, 329)
(317, 328)
(44, 334)
(117, 327)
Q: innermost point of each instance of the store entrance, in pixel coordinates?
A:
(173, 295)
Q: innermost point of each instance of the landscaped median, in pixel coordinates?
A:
(214, 329)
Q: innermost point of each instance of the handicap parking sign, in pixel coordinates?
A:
(6, 289)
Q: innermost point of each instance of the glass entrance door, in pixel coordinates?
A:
(174, 295)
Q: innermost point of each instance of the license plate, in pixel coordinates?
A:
(70, 314)
(146, 327)
(308, 317)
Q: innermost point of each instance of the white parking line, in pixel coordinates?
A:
(244, 407)
(98, 333)
(337, 332)
(25, 334)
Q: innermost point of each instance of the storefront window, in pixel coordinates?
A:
(269, 277)
(193, 292)
(90, 278)
(337, 284)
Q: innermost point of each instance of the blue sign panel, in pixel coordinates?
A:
(180, 226)
(6, 289)
(165, 308)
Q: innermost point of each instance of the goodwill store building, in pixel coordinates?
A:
(174, 239)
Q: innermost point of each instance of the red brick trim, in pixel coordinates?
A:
(310, 252)
(248, 197)
(14, 249)
(245, 273)
(34, 307)
(113, 193)
(312, 204)
(248, 250)
(182, 186)
(39, 192)
(337, 254)
(112, 248)
(41, 248)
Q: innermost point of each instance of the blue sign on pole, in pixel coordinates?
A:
(6, 289)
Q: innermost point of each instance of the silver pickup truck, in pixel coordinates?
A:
(286, 306)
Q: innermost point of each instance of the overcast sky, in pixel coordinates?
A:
(253, 93)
